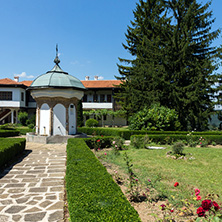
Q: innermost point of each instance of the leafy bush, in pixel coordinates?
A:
(155, 118)
(92, 123)
(30, 122)
(178, 148)
(105, 141)
(10, 148)
(140, 141)
(92, 193)
(23, 117)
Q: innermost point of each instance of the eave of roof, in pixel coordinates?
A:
(101, 83)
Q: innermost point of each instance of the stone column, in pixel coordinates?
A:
(67, 120)
(12, 116)
(38, 119)
(16, 117)
(50, 121)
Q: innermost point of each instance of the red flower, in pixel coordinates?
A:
(171, 210)
(163, 206)
(105, 154)
(216, 206)
(176, 184)
(98, 141)
(200, 212)
(102, 136)
(199, 197)
(197, 191)
(207, 204)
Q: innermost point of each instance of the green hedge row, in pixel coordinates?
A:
(92, 193)
(169, 139)
(8, 132)
(10, 148)
(126, 134)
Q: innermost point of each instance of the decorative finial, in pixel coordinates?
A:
(56, 60)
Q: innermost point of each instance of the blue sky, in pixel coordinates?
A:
(89, 33)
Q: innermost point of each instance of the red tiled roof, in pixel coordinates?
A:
(27, 82)
(101, 83)
(86, 83)
(8, 81)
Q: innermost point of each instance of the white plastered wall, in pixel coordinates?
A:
(59, 120)
(44, 119)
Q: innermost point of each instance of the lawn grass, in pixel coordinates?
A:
(203, 172)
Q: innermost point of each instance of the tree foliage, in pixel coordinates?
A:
(155, 118)
(172, 60)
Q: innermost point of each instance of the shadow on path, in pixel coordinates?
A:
(17, 159)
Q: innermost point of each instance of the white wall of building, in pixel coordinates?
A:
(16, 97)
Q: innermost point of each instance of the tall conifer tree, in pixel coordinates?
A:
(173, 59)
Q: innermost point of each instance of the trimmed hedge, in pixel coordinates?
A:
(9, 148)
(92, 193)
(8, 132)
(170, 138)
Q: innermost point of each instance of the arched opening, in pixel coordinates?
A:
(72, 119)
(44, 119)
(59, 120)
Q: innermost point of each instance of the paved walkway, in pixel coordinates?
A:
(33, 189)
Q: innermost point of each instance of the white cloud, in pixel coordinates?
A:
(24, 75)
(100, 78)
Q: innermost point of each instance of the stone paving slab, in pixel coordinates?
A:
(33, 189)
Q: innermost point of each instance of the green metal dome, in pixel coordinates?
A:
(57, 78)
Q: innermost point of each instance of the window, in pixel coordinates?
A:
(5, 95)
(95, 98)
(22, 96)
(85, 98)
(102, 98)
(109, 98)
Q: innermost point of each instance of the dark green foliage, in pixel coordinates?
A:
(105, 141)
(23, 117)
(92, 193)
(10, 148)
(91, 123)
(79, 111)
(155, 118)
(178, 148)
(30, 122)
(8, 132)
(172, 60)
(140, 141)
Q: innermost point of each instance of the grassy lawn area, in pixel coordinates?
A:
(204, 171)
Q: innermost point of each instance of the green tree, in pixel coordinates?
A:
(23, 117)
(79, 113)
(173, 60)
(155, 118)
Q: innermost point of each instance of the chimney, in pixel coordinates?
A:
(16, 78)
(87, 78)
(96, 77)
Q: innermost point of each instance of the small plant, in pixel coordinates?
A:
(92, 123)
(191, 140)
(117, 177)
(214, 143)
(117, 144)
(140, 141)
(133, 181)
(178, 148)
(202, 142)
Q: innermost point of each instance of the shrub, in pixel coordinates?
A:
(155, 118)
(140, 141)
(92, 193)
(8, 132)
(10, 148)
(178, 148)
(23, 117)
(92, 123)
(105, 141)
